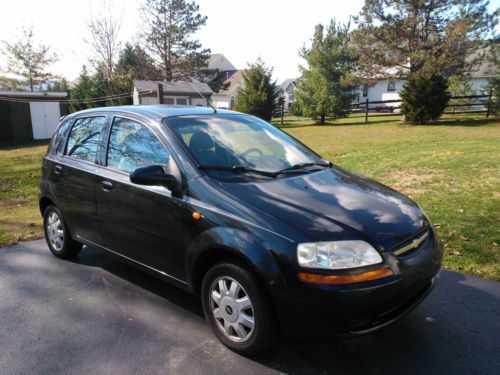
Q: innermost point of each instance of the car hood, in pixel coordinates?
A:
(335, 204)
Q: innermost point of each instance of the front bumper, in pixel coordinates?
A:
(312, 310)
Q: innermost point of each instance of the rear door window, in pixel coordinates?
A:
(133, 145)
(84, 138)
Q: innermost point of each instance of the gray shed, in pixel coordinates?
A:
(26, 115)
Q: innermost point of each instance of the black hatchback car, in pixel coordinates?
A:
(273, 238)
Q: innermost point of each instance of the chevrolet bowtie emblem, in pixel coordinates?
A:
(413, 245)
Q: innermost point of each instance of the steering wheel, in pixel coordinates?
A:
(261, 154)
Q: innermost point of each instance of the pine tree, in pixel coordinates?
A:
(258, 94)
(135, 63)
(169, 28)
(325, 88)
(424, 98)
(403, 37)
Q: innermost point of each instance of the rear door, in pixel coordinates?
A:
(143, 223)
(73, 179)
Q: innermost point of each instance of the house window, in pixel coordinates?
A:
(169, 101)
(291, 98)
(365, 91)
(391, 85)
(181, 101)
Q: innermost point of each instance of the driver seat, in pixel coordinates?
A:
(202, 146)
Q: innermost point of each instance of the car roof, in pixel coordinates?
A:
(156, 112)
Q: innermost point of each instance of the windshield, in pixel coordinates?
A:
(239, 143)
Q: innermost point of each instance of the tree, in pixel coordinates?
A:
(169, 26)
(85, 89)
(258, 95)
(325, 87)
(135, 63)
(424, 98)
(404, 37)
(29, 60)
(494, 83)
(104, 31)
(58, 86)
(10, 84)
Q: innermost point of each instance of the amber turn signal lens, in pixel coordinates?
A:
(345, 279)
(196, 215)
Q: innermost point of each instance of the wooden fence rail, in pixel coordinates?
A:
(366, 108)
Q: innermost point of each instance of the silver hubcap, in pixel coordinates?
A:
(232, 309)
(55, 231)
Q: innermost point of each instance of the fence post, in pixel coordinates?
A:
(282, 109)
(489, 104)
(366, 109)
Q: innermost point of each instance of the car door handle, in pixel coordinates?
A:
(106, 185)
(58, 169)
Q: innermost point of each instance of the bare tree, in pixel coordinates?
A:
(28, 59)
(104, 30)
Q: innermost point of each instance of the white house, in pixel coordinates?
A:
(229, 81)
(287, 88)
(389, 89)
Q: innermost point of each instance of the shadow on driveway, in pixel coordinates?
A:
(98, 315)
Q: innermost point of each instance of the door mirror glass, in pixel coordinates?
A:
(154, 175)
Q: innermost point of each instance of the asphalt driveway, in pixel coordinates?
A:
(99, 316)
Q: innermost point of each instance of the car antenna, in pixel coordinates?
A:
(199, 92)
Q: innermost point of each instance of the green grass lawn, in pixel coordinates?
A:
(452, 171)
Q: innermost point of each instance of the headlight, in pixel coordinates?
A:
(337, 254)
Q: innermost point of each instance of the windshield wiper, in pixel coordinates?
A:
(237, 169)
(302, 166)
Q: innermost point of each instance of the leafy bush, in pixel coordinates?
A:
(295, 109)
(424, 98)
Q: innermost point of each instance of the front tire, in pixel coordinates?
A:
(238, 313)
(57, 235)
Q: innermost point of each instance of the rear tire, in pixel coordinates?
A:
(236, 310)
(57, 234)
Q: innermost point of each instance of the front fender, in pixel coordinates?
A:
(241, 244)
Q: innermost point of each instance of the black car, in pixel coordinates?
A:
(275, 239)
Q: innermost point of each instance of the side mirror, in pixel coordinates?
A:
(154, 175)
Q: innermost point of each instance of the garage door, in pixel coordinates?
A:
(44, 118)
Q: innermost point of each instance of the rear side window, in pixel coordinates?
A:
(83, 140)
(57, 142)
(132, 145)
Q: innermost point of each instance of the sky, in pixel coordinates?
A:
(242, 30)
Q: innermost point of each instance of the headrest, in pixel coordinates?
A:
(201, 141)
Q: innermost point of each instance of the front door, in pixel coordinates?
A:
(142, 223)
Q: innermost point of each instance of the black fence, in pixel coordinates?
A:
(479, 104)
(468, 104)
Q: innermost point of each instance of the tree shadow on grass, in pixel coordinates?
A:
(26, 145)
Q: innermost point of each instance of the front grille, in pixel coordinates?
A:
(411, 245)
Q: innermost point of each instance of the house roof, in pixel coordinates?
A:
(287, 82)
(34, 94)
(230, 81)
(179, 87)
(219, 61)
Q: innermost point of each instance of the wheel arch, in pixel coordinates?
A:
(43, 203)
(228, 244)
